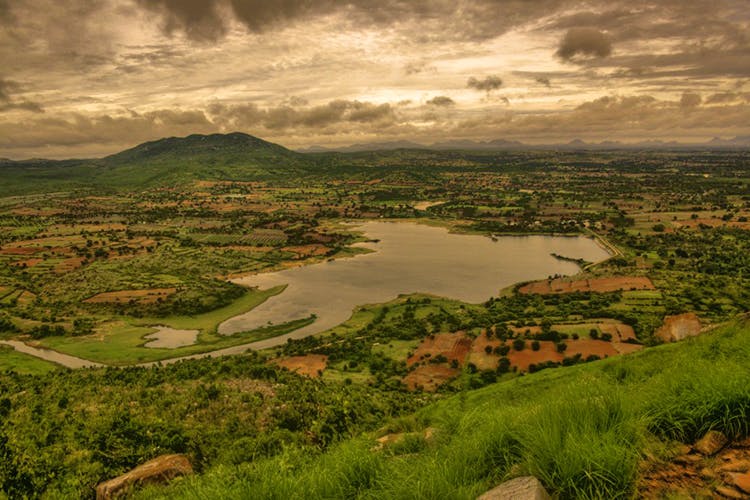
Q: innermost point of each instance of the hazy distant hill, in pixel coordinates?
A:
(242, 157)
(740, 142)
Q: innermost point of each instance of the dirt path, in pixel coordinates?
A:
(74, 362)
(50, 355)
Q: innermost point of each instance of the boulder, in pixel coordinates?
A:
(741, 481)
(159, 470)
(520, 488)
(711, 443)
(679, 327)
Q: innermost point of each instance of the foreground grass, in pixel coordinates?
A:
(12, 360)
(581, 430)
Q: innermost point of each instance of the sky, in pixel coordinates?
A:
(86, 78)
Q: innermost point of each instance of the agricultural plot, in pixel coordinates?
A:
(599, 285)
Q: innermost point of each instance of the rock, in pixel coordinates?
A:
(711, 443)
(727, 492)
(736, 466)
(520, 488)
(688, 459)
(681, 326)
(707, 473)
(159, 470)
(741, 481)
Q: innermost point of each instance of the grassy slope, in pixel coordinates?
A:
(581, 430)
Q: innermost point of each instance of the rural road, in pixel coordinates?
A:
(74, 362)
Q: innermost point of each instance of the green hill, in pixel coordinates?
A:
(165, 162)
(583, 431)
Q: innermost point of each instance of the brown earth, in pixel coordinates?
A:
(26, 298)
(303, 251)
(619, 331)
(430, 376)
(463, 349)
(613, 284)
(692, 474)
(20, 250)
(310, 365)
(148, 296)
(70, 264)
(159, 470)
(679, 327)
(454, 346)
(28, 262)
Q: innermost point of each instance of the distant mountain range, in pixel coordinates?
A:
(241, 157)
(739, 142)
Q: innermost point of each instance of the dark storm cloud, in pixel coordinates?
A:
(728, 97)
(8, 103)
(417, 67)
(543, 80)
(441, 101)
(690, 100)
(334, 113)
(586, 42)
(487, 83)
(6, 88)
(199, 19)
(462, 19)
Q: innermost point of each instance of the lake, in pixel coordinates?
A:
(408, 258)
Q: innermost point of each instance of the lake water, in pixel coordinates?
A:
(408, 258)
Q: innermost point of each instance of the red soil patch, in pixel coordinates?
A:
(311, 365)
(303, 251)
(619, 331)
(522, 359)
(587, 347)
(601, 285)
(148, 296)
(479, 356)
(70, 264)
(26, 298)
(28, 262)
(547, 352)
(676, 328)
(20, 250)
(454, 346)
(429, 377)
(37, 212)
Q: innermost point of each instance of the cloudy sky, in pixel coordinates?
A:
(90, 77)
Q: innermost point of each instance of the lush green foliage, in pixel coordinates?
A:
(63, 432)
(582, 431)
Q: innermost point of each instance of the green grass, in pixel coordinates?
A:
(210, 321)
(122, 342)
(582, 431)
(12, 360)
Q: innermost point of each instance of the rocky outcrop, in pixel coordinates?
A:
(713, 467)
(711, 443)
(679, 327)
(520, 488)
(159, 470)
